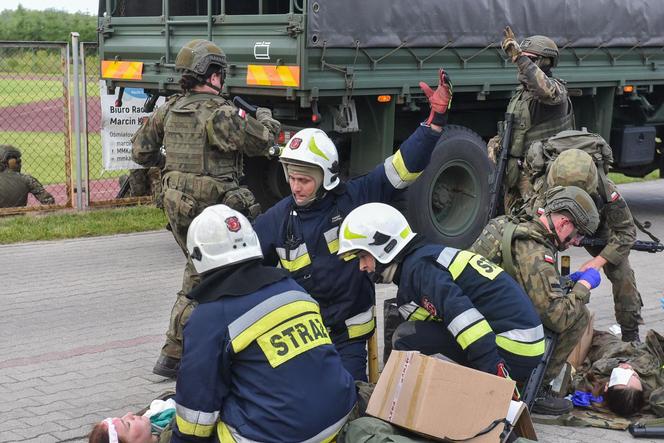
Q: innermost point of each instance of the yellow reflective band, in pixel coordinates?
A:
(459, 263)
(313, 147)
(271, 320)
(224, 434)
(194, 429)
(402, 170)
(360, 330)
(420, 314)
(298, 263)
(519, 348)
(352, 235)
(474, 333)
(405, 233)
(333, 246)
(293, 338)
(485, 267)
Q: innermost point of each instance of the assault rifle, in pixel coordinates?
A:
(241, 103)
(639, 245)
(501, 164)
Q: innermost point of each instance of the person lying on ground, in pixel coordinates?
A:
(628, 375)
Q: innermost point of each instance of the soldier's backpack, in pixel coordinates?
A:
(542, 153)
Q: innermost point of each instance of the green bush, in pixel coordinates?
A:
(49, 25)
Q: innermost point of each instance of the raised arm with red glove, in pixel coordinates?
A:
(440, 99)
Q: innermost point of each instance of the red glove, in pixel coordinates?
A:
(501, 371)
(440, 99)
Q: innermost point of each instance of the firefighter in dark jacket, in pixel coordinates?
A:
(301, 232)
(258, 363)
(463, 306)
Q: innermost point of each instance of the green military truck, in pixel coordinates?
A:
(352, 68)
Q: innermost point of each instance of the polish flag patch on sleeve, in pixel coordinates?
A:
(549, 259)
(242, 113)
(614, 196)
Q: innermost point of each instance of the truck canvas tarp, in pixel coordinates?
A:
(477, 23)
(352, 68)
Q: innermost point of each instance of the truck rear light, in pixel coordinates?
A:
(628, 89)
(384, 98)
(284, 137)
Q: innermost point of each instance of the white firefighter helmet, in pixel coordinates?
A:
(376, 228)
(220, 236)
(312, 146)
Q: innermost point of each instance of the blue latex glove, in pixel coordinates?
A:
(590, 275)
(580, 398)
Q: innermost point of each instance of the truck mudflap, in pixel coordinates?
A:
(273, 75)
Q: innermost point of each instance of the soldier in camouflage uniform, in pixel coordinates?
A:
(205, 137)
(15, 186)
(575, 167)
(143, 182)
(540, 105)
(526, 248)
(607, 352)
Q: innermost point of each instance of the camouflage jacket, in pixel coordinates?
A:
(15, 187)
(548, 90)
(534, 257)
(227, 128)
(616, 223)
(607, 351)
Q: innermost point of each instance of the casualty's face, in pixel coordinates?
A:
(624, 376)
(367, 262)
(133, 428)
(302, 186)
(568, 233)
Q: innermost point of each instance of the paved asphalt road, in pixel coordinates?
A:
(85, 319)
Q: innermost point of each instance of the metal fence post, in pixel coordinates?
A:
(77, 120)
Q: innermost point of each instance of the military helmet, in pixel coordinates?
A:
(7, 152)
(577, 203)
(198, 55)
(574, 167)
(541, 45)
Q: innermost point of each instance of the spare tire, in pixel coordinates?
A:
(449, 202)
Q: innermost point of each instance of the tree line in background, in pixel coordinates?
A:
(49, 25)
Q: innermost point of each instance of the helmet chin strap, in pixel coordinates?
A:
(560, 244)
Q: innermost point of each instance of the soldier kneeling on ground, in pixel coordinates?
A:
(15, 186)
(526, 248)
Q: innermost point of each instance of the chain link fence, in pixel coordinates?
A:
(34, 118)
(37, 111)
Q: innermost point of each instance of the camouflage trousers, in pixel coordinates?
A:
(186, 196)
(626, 297)
(567, 340)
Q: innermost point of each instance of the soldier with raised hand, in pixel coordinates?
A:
(575, 167)
(540, 105)
(205, 137)
(527, 248)
(14, 185)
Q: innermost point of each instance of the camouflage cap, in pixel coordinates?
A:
(574, 167)
(197, 56)
(577, 203)
(541, 45)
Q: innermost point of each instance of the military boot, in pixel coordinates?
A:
(630, 335)
(166, 366)
(547, 403)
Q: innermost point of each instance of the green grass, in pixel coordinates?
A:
(17, 91)
(44, 155)
(620, 178)
(56, 226)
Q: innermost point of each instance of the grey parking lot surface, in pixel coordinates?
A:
(85, 320)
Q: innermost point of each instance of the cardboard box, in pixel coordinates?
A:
(580, 351)
(443, 400)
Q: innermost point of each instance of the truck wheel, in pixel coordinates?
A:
(266, 180)
(449, 202)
